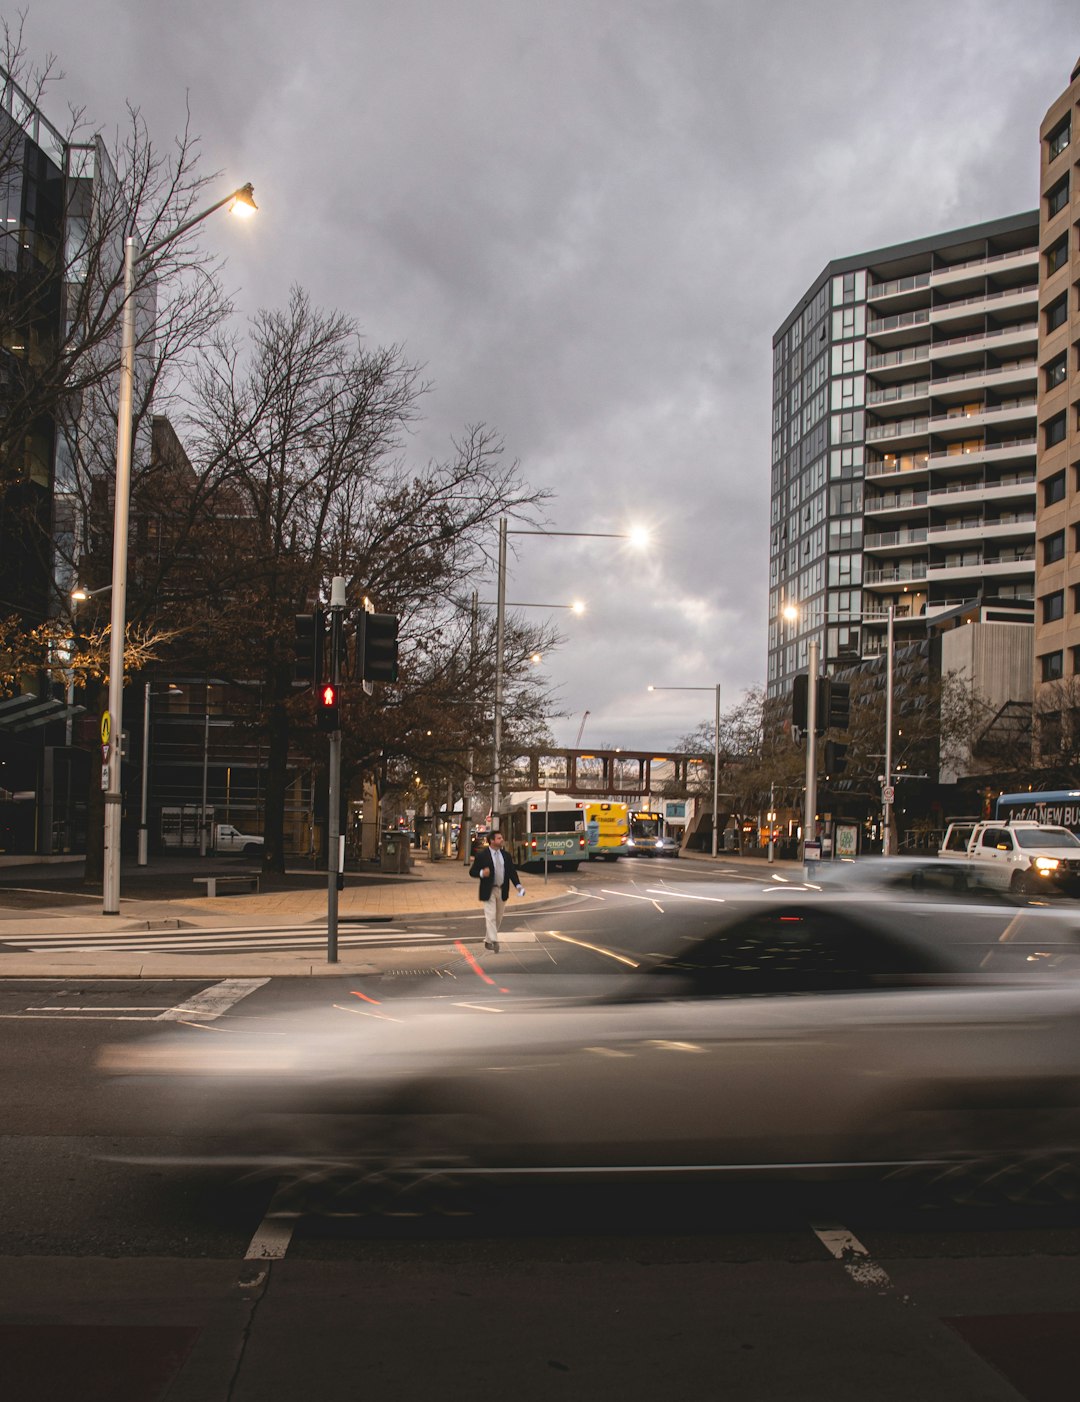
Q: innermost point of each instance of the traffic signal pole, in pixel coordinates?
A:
(333, 816)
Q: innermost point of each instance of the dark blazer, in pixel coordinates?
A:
(483, 868)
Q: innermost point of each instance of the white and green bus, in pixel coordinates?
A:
(543, 825)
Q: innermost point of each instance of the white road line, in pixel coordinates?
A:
(852, 1255)
(212, 1002)
(271, 1239)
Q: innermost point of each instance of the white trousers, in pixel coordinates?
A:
(493, 915)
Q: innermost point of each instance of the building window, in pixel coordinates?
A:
(1054, 488)
(1056, 370)
(1057, 255)
(1054, 430)
(1059, 137)
(1053, 606)
(1057, 198)
(1057, 312)
(1053, 666)
(1054, 548)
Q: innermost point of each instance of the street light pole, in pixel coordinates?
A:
(121, 509)
(205, 769)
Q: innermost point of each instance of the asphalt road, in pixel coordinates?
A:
(129, 1277)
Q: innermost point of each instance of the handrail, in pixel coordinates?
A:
(894, 323)
(1020, 480)
(1031, 289)
(1028, 327)
(988, 448)
(900, 284)
(986, 260)
(916, 535)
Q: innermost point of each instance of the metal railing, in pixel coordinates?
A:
(916, 535)
(900, 284)
(986, 261)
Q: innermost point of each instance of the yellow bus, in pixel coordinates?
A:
(607, 827)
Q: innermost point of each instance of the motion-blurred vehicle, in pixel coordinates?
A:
(791, 1034)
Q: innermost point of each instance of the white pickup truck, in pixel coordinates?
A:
(1004, 856)
(228, 838)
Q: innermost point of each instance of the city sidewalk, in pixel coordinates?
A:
(441, 888)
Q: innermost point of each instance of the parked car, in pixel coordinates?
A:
(228, 838)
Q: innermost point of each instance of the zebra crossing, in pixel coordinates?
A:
(223, 940)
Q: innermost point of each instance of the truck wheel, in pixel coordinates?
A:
(251, 849)
(1020, 884)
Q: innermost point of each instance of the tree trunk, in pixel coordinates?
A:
(276, 777)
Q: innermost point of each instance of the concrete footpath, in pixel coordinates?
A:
(436, 889)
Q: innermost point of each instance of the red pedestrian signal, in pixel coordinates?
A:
(329, 715)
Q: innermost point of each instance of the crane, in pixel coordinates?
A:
(580, 729)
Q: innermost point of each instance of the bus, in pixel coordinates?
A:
(647, 836)
(547, 825)
(1058, 807)
(607, 839)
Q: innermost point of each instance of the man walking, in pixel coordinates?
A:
(496, 871)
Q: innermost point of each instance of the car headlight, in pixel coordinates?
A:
(1045, 864)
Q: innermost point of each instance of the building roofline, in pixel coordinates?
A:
(991, 229)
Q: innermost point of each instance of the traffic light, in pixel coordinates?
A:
(799, 696)
(839, 710)
(310, 632)
(378, 647)
(328, 709)
(824, 704)
(835, 757)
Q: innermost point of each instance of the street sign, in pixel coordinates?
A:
(105, 753)
(106, 727)
(888, 793)
(811, 851)
(468, 788)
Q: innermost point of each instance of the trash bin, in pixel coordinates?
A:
(395, 854)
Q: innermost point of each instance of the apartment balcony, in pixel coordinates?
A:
(899, 432)
(1017, 410)
(901, 329)
(984, 453)
(1016, 261)
(953, 533)
(887, 364)
(898, 394)
(986, 302)
(1019, 373)
(897, 465)
(900, 288)
(912, 573)
(1017, 486)
(899, 540)
(1021, 563)
(1026, 333)
(891, 503)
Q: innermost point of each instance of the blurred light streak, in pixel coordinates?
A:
(362, 1012)
(596, 949)
(689, 896)
(479, 1007)
(631, 896)
(477, 970)
(365, 997)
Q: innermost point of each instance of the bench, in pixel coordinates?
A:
(216, 884)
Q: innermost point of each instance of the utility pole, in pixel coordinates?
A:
(772, 817)
(334, 863)
(887, 788)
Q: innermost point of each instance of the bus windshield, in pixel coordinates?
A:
(556, 820)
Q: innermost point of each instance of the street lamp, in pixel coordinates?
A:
(637, 537)
(240, 199)
(170, 690)
(716, 758)
(790, 612)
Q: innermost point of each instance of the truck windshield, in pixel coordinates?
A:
(1045, 837)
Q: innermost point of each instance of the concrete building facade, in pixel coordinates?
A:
(904, 441)
(1057, 616)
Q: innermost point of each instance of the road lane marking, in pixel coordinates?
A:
(852, 1255)
(212, 1002)
(595, 948)
(271, 1239)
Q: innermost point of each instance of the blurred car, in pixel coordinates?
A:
(651, 847)
(796, 1035)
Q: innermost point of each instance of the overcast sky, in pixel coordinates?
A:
(586, 218)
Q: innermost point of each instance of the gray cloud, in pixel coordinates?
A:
(586, 219)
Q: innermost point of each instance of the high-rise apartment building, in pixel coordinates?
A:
(904, 440)
(1057, 562)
